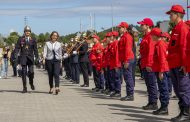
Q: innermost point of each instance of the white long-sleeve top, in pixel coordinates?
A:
(48, 50)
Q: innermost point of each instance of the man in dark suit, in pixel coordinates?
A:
(74, 58)
(27, 47)
(83, 59)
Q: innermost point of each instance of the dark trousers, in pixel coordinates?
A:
(53, 68)
(150, 80)
(181, 84)
(75, 72)
(89, 65)
(61, 70)
(84, 70)
(30, 73)
(67, 68)
(107, 78)
(163, 89)
(95, 76)
(140, 69)
(14, 66)
(134, 70)
(101, 82)
(169, 82)
(128, 77)
(115, 81)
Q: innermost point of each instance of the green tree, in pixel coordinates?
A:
(12, 38)
(41, 38)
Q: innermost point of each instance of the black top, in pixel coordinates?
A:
(83, 53)
(27, 50)
(6, 55)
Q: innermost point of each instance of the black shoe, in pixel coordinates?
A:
(67, 78)
(128, 98)
(84, 85)
(115, 94)
(103, 91)
(161, 111)
(111, 93)
(118, 95)
(150, 106)
(182, 117)
(98, 90)
(51, 91)
(95, 89)
(24, 90)
(32, 87)
(74, 82)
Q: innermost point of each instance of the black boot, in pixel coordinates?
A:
(150, 106)
(31, 84)
(24, 90)
(183, 115)
(161, 111)
(127, 98)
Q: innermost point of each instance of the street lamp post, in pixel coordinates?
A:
(112, 15)
(187, 10)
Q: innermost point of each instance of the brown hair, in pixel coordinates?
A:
(178, 14)
(53, 33)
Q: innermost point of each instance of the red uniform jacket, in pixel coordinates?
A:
(105, 58)
(99, 62)
(125, 46)
(147, 51)
(177, 46)
(114, 55)
(96, 57)
(188, 52)
(160, 63)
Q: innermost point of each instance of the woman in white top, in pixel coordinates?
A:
(53, 57)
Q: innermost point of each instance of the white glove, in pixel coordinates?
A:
(66, 55)
(19, 67)
(74, 52)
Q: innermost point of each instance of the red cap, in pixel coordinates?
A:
(123, 24)
(104, 40)
(165, 34)
(95, 36)
(176, 8)
(188, 6)
(187, 22)
(115, 33)
(108, 34)
(156, 32)
(146, 21)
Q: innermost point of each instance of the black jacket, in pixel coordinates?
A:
(27, 50)
(13, 58)
(83, 53)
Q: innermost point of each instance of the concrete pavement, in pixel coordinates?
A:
(73, 104)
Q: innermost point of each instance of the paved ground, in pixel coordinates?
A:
(73, 104)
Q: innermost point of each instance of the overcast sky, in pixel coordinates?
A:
(64, 15)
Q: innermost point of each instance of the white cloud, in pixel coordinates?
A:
(76, 8)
